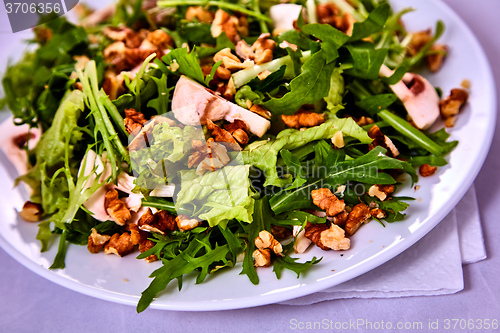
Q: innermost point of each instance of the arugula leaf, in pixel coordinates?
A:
(262, 216)
(331, 38)
(295, 37)
(160, 103)
(366, 60)
(376, 103)
(198, 255)
(372, 24)
(365, 169)
(309, 87)
(188, 63)
(291, 263)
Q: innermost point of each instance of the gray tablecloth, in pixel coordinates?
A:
(29, 303)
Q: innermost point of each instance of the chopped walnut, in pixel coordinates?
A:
(326, 200)
(378, 213)
(238, 129)
(160, 39)
(134, 120)
(230, 61)
(359, 215)
(334, 238)
(451, 105)
(140, 237)
(231, 25)
(435, 60)
(186, 223)
(112, 85)
(261, 111)
(327, 237)
(418, 40)
(116, 208)
(426, 170)
(328, 13)
(303, 118)
(363, 121)
(219, 134)
(120, 245)
(199, 14)
(262, 257)
(260, 52)
(31, 212)
(160, 222)
(266, 241)
(341, 218)
(122, 34)
(97, 241)
(209, 157)
(379, 139)
(374, 191)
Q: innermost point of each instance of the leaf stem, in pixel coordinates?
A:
(220, 4)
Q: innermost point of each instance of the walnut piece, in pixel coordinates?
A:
(134, 120)
(219, 134)
(379, 139)
(140, 237)
(238, 129)
(230, 61)
(97, 241)
(31, 212)
(451, 105)
(231, 25)
(186, 223)
(260, 52)
(426, 170)
(120, 245)
(326, 200)
(435, 60)
(334, 238)
(327, 237)
(261, 257)
(359, 215)
(160, 222)
(116, 208)
(261, 111)
(378, 213)
(328, 13)
(266, 241)
(303, 118)
(199, 14)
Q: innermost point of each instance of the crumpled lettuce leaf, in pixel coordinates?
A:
(335, 94)
(167, 146)
(217, 196)
(264, 154)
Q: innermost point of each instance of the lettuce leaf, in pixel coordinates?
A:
(264, 154)
(217, 196)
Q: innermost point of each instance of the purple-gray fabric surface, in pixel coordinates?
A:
(29, 303)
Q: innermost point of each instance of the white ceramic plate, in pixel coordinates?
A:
(123, 279)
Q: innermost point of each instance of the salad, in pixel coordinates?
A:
(204, 134)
